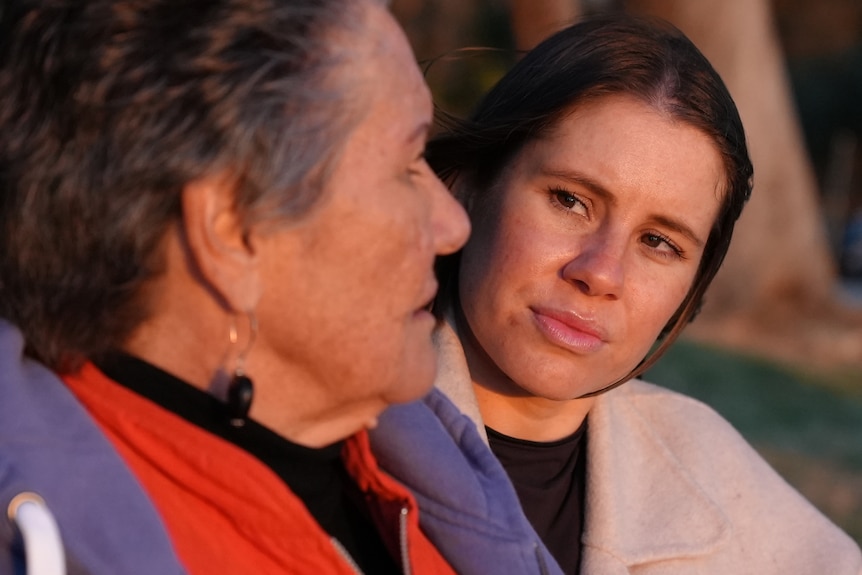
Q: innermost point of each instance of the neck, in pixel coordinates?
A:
(293, 404)
(187, 336)
(287, 400)
(529, 417)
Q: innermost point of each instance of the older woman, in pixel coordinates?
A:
(203, 205)
(603, 176)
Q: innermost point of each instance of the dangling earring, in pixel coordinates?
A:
(240, 391)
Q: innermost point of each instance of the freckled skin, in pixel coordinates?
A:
(604, 219)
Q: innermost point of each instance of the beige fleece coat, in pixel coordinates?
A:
(673, 489)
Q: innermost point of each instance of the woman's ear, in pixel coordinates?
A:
(219, 249)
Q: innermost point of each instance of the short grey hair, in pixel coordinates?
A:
(108, 108)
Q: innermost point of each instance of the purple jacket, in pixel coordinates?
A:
(49, 445)
(468, 506)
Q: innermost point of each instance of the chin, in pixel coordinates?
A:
(562, 395)
(565, 391)
(413, 383)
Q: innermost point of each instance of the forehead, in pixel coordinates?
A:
(639, 158)
(628, 133)
(388, 76)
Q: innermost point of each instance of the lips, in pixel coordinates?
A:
(569, 330)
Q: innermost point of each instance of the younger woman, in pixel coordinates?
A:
(603, 177)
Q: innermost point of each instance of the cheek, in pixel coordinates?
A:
(473, 290)
(657, 302)
(385, 257)
(487, 269)
(477, 260)
(499, 245)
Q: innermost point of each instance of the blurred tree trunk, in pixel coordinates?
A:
(438, 30)
(778, 281)
(535, 20)
(777, 289)
(434, 26)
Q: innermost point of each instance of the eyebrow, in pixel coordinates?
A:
(608, 196)
(584, 181)
(678, 227)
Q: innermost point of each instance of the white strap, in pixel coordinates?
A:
(43, 545)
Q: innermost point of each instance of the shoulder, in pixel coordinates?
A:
(683, 424)
(653, 396)
(669, 412)
(50, 445)
(651, 428)
(684, 429)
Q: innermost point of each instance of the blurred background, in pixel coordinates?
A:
(778, 347)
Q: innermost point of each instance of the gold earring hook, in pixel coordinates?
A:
(234, 338)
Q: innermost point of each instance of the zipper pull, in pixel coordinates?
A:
(402, 538)
(43, 545)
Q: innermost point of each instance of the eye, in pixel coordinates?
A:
(567, 201)
(662, 245)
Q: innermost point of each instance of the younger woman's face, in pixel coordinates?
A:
(585, 248)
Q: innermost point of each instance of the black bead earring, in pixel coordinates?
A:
(240, 391)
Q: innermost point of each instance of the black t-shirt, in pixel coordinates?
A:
(550, 479)
(316, 476)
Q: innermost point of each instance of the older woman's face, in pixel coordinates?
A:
(585, 248)
(346, 289)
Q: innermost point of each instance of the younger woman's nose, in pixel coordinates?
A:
(598, 266)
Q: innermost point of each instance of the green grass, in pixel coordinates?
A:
(806, 422)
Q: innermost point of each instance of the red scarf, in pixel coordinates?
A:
(226, 511)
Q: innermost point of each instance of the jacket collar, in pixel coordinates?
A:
(640, 498)
(453, 375)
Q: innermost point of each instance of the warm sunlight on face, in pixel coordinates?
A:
(585, 248)
(349, 285)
